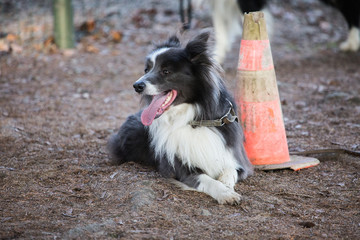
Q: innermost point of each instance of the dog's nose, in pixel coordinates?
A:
(139, 86)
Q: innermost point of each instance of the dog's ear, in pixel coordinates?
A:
(198, 46)
(171, 42)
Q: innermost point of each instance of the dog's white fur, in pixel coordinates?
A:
(150, 88)
(218, 190)
(207, 159)
(227, 21)
(352, 43)
(200, 147)
(156, 53)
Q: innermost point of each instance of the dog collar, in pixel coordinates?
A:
(229, 117)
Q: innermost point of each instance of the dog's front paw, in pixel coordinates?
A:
(229, 178)
(229, 197)
(352, 42)
(349, 46)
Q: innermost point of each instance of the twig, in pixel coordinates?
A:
(67, 215)
(294, 194)
(327, 150)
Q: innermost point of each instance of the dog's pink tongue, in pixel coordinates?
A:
(157, 106)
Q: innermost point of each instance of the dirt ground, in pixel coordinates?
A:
(58, 109)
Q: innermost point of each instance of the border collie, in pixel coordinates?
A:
(227, 17)
(188, 128)
(350, 9)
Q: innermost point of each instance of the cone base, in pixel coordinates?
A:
(296, 163)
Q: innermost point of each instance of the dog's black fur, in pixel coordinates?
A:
(350, 9)
(169, 143)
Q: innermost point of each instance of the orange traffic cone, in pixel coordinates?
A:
(258, 101)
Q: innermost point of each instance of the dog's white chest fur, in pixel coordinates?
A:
(200, 147)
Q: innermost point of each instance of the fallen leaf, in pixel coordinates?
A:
(88, 26)
(11, 37)
(16, 48)
(4, 47)
(91, 49)
(116, 36)
(49, 41)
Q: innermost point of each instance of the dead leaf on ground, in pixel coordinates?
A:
(16, 48)
(4, 47)
(91, 49)
(88, 26)
(116, 36)
(49, 41)
(11, 37)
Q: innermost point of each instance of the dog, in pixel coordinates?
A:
(188, 129)
(227, 17)
(350, 9)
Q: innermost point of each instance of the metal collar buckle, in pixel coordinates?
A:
(229, 117)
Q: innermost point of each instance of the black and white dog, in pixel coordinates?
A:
(350, 9)
(227, 17)
(187, 128)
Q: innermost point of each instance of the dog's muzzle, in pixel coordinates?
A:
(139, 86)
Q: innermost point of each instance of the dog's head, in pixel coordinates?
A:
(172, 75)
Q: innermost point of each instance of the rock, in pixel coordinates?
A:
(85, 95)
(145, 196)
(205, 212)
(354, 99)
(336, 96)
(83, 231)
(300, 104)
(357, 109)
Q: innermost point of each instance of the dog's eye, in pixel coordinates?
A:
(146, 70)
(165, 71)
